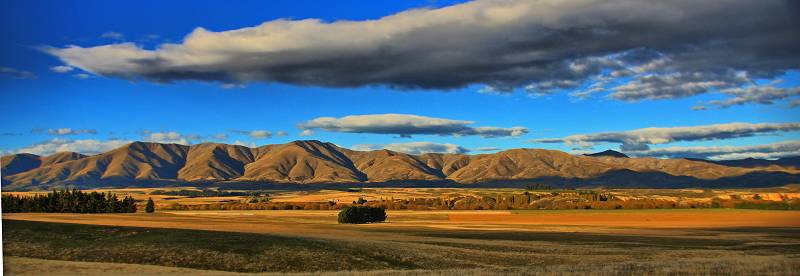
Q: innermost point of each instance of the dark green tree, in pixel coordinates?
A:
(150, 205)
(362, 214)
(360, 201)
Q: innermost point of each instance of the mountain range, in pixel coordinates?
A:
(313, 162)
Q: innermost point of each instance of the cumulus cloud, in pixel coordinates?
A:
(406, 125)
(666, 49)
(414, 147)
(763, 94)
(699, 107)
(113, 36)
(171, 137)
(768, 151)
(16, 73)
(640, 139)
(61, 69)
(82, 76)
(306, 132)
(255, 134)
(70, 131)
(281, 133)
(246, 144)
(220, 136)
(674, 85)
(88, 146)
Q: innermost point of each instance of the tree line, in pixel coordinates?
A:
(68, 201)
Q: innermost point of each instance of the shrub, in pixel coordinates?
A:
(362, 214)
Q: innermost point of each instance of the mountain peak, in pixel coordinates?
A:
(313, 161)
(610, 153)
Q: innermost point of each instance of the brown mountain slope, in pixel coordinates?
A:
(60, 157)
(211, 161)
(528, 164)
(386, 165)
(135, 161)
(681, 167)
(303, 162)
(536, 163)
(445, 163)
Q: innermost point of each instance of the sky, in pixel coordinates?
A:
(674, 79)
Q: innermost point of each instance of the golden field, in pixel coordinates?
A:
(411, 242)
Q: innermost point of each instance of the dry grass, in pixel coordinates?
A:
(737, 266)
(415, 242)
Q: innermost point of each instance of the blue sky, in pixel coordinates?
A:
(133, 108)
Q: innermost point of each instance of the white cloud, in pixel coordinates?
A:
(639, 139)
(16, 73)
(88, 146)
(82, 76)
(70, 131)
(306, 132)
(762, 94)
(281, 133)
(260, 134)
(113, 36)
(171, 137)
(406, 125)
(246, 144)
(699, 108)
(414, 147)
(255, 134)
(61, 69)
(768, 151)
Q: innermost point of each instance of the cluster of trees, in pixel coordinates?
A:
(258, 198)
(68, 201)
(505, 201)
(362, 214)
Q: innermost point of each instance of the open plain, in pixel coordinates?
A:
(600, 242)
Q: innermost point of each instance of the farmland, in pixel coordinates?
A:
(448, 242)
(192, 232)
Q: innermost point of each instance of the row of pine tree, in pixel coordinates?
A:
(68, 201)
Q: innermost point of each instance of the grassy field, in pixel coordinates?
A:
(411, 242)
(174, 198)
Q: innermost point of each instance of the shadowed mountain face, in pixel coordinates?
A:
(314, 162)
(17, 163)
(215, 161)
(788, 162)
(23, 162)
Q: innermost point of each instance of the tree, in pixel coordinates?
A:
(360, 201)
(362, 214)
(150, 205)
